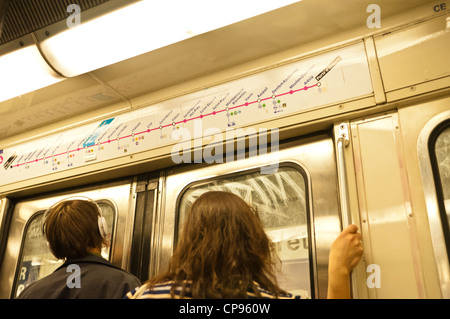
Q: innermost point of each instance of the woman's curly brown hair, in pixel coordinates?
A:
(223, 251)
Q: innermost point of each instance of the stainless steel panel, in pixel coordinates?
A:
(315, 155)
(388, 229)
(117, 193)
(416, 54)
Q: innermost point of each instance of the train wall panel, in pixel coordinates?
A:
(415, 55)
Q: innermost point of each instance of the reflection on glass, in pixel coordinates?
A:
(442, 149)
(281, 202)
(36, 259)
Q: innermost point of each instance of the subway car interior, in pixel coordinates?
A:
(319, 113)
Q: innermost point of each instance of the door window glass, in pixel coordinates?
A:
(36, 260)
(282, 203)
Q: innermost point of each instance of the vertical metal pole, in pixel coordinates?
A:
(343, 141)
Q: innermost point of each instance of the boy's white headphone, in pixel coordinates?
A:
(102, 225)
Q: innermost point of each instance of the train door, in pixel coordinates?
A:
(402, 177)
(295, 193)
(27, 257)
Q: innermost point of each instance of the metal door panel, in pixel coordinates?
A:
(315, 155)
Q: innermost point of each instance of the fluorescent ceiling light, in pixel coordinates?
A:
(142, 27)
(23, 71)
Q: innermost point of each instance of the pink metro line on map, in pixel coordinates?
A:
(90, 141)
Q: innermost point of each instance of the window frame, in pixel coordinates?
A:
(434, 135)
(308, 206)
